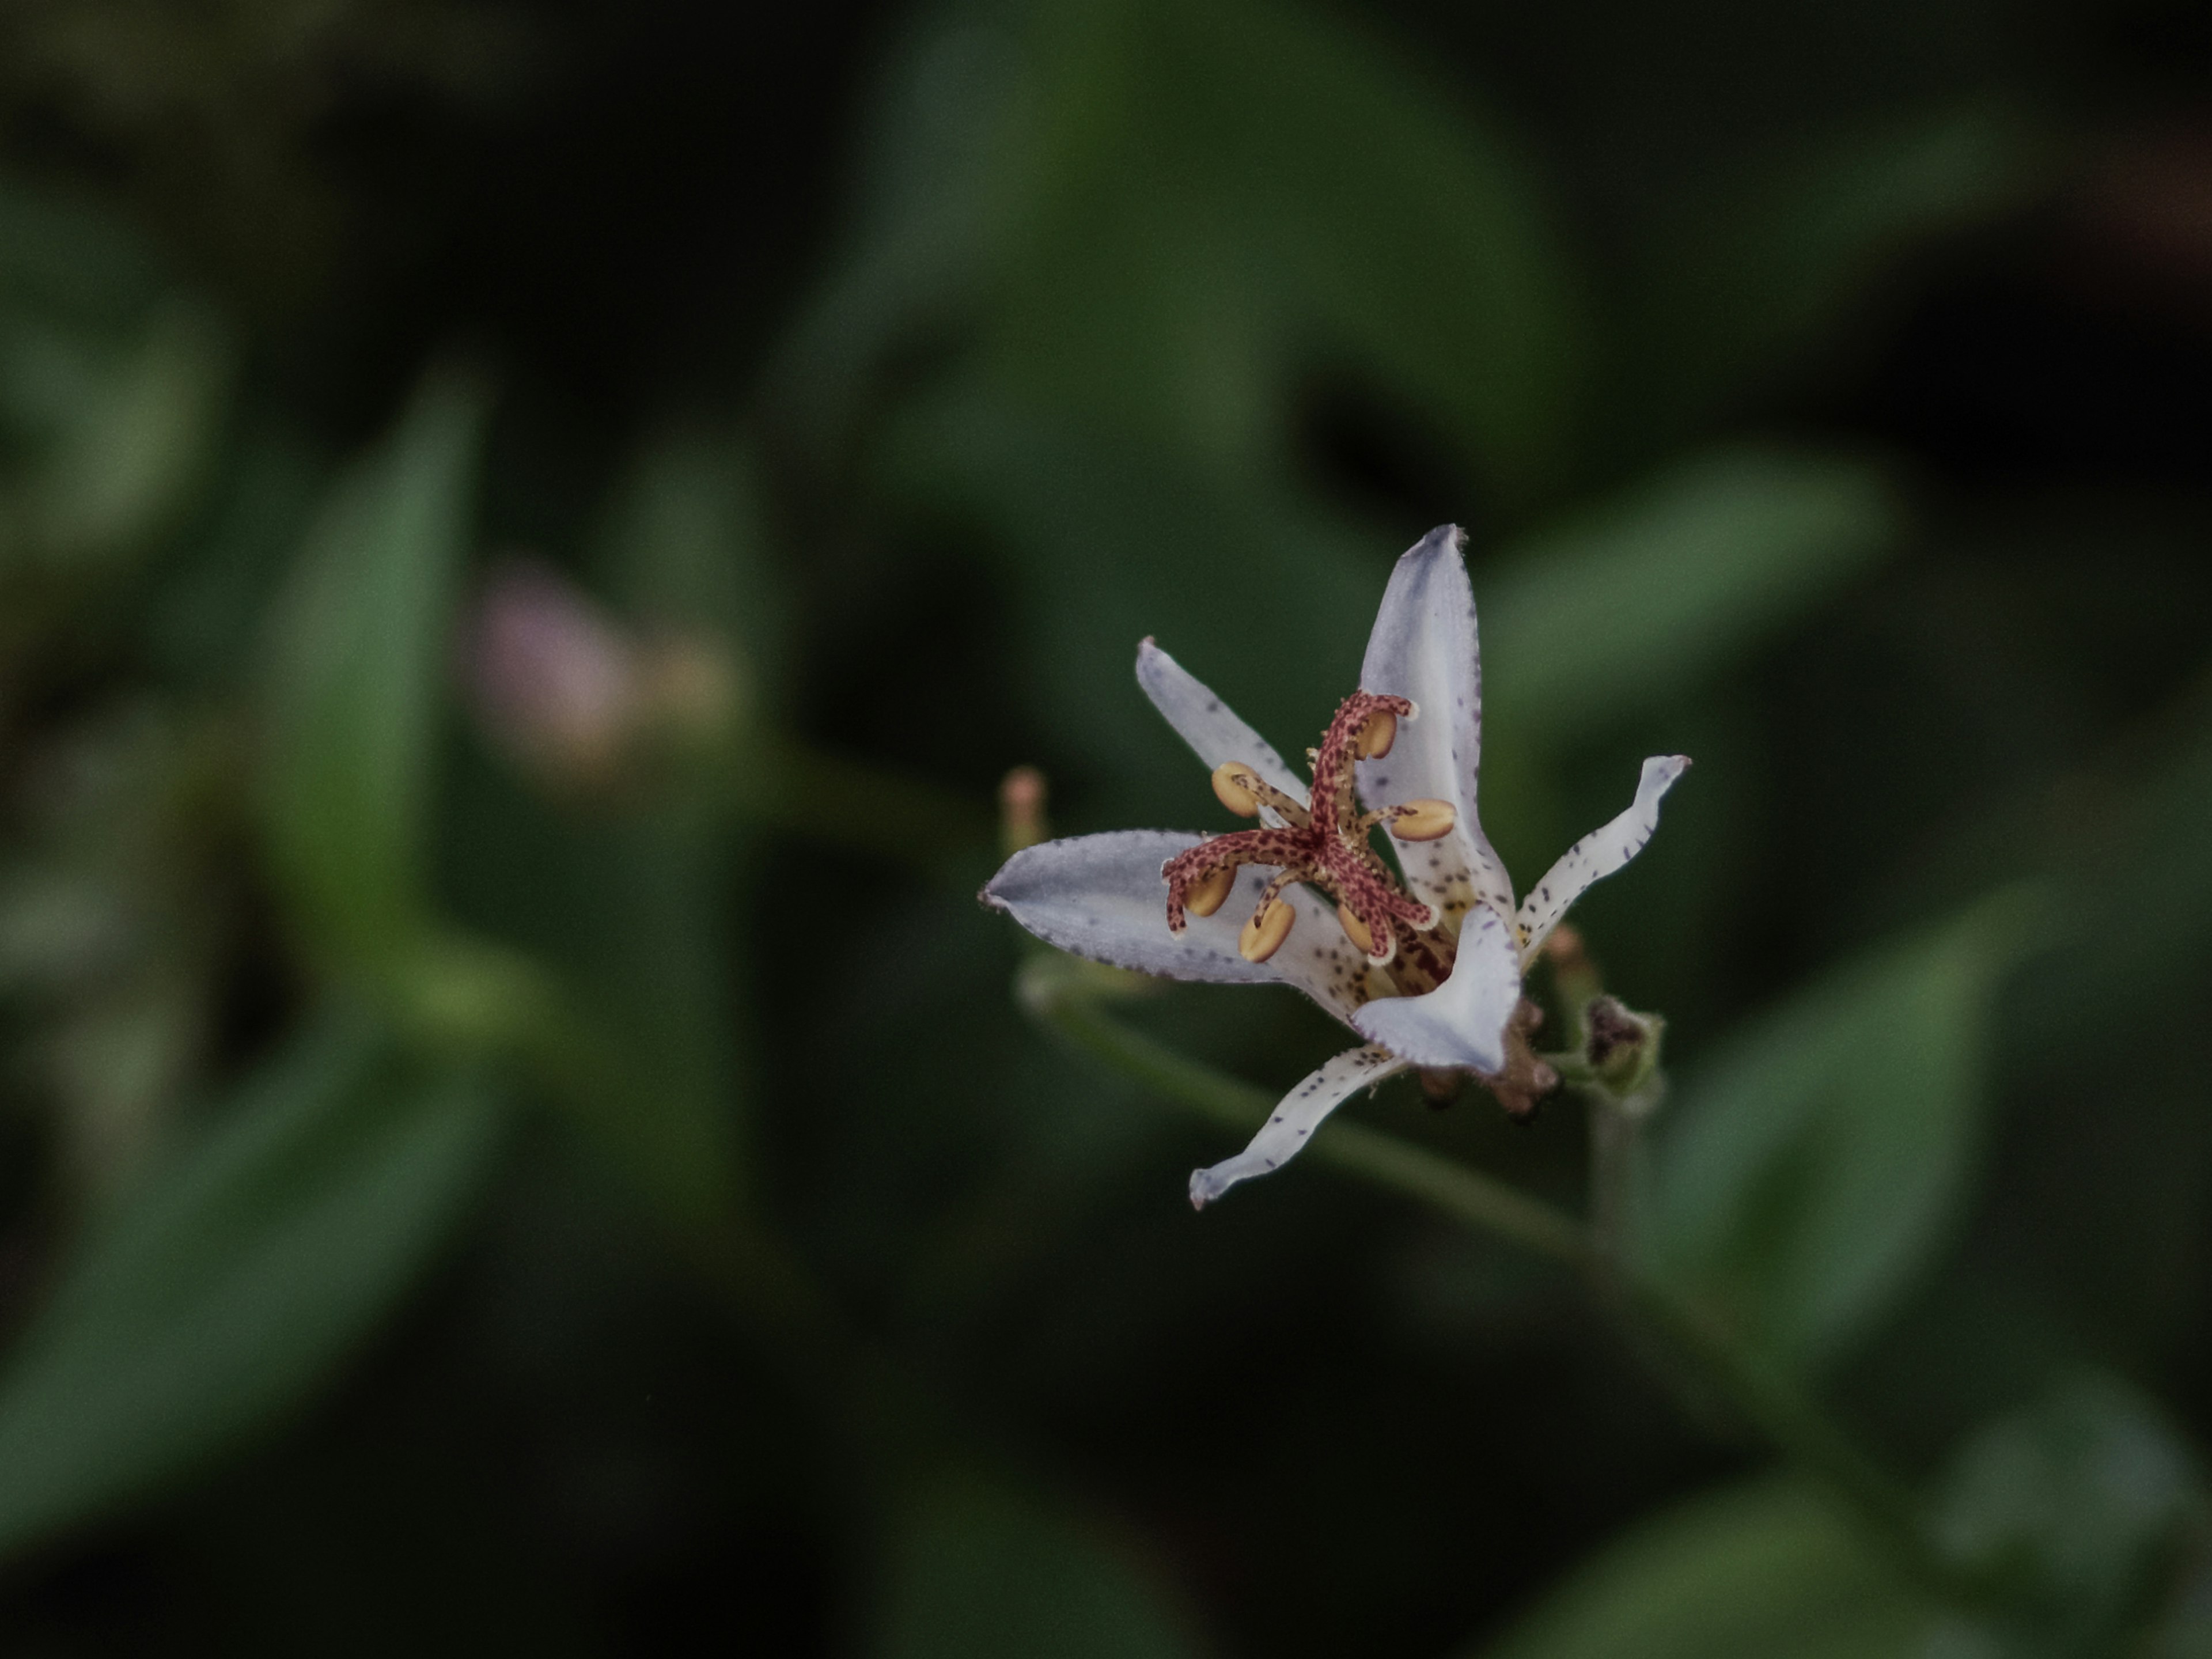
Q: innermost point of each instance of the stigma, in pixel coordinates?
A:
(1324, 842)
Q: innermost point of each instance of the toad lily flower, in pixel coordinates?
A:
(1425, 961)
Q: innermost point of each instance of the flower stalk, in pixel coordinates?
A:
(1073, 1000)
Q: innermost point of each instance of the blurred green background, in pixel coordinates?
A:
(528, 536)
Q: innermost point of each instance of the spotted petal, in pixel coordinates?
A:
(1461, 1021)
(1101, 897)
(1292, 1123)
(1423, 646)
(1599, 853)
(1209, 725)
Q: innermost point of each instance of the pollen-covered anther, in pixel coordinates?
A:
(1422, 820)
(1355, 930)
(1233, 789)
(1209, 892)
(1375, 735)
(1264, 934)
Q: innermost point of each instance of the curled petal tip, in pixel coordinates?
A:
(1205, 1187)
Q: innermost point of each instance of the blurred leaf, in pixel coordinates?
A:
(633, 912)
(359, 663)
(62, 255)
(131, 460)
(2079, 1504)
(1777, 255)
(217, 590)
(980, 1572)
(1167, 219)
(688, 547)
(233, 1282)
(1764, 1572)
(1811, 1167)
(943, 163)
(1593, 621)
(1242, 194)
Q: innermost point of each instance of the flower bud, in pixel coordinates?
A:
(554, 680)
(1620, 1046)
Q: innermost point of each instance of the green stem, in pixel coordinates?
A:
(1613, 1176)
(1050, 992)
(1070, 999)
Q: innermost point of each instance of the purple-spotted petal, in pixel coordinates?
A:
(1208, 725)
(1462, 1022)
(1291, 1124)
(1102, 897)
(1599, 853)
(1423, 646)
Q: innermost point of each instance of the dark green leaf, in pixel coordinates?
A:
(136, 454)
(236, 1280)
(1808, 1171)
(979, 1572)
(1766, 1571)
(1165, 218)
(1645, 596)
(360, 658)
(2079, 1504)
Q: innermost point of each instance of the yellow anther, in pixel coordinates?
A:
(1422, 820)
(1232, 781)
(1264, 934)
(1209, 892)
(1355, 930)
(1375, 735)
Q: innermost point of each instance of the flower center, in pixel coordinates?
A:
(1324, 842)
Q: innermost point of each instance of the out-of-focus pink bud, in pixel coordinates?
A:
(553, 679)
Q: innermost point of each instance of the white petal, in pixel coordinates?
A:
(1292, 1123)
(1599, 853)
(1423, 646)
(1101, 897)
(1461, 1021)
(1209, 725)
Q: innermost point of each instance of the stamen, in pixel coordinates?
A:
(1324, 844)
(1232, 787)
(1264, 934)
(1355, 930)
(1209, 892)
(1422, 820)
(1373, 739)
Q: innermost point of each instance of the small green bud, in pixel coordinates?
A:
(1620, 1046)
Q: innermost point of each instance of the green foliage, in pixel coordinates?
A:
(979, 1570)
(1809, 1171)
(2082, 1505)
(1152, 319)
(1158, 219)
(359, 660)
(1768, 1570)
(237, 1278)
(1637, 600)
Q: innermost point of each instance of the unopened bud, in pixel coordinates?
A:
(1021, 811)
(1620, 1046)
(553, 679)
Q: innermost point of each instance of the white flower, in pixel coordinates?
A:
(1425, 961)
